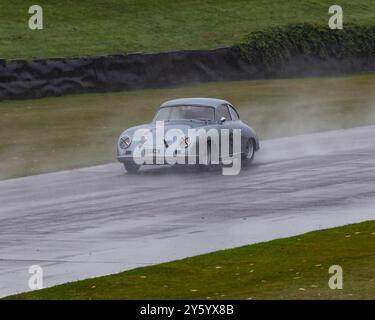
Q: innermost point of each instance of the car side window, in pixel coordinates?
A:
(222, 111)
(233, 113)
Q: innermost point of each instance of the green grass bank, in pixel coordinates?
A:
(290, 268)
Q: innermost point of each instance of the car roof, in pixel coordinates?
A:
(209, 102)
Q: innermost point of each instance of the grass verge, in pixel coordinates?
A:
(290, 268)
(95, 27)
(51, 134)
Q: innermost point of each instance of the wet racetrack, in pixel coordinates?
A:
(99, 220)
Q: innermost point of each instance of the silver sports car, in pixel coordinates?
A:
(197, 131)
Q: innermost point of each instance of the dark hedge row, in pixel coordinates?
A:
(276, 47)
(294, 50)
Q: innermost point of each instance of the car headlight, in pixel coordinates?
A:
(185, 142)
(125, 142)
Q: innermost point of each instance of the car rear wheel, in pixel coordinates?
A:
(131, 167)
(248, 155)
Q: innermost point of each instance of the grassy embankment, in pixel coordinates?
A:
(60, 133)
(95, 27)
(291, 268)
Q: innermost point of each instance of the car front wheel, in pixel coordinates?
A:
(131, 167)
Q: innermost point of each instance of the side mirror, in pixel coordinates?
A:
(222, 120)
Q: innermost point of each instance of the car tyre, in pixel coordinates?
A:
(131, 167)
(248, 155)
(207, 165)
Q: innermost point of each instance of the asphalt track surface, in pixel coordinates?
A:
(99, 220)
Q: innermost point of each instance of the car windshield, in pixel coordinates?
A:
(185, 113)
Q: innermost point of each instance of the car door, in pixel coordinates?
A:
(223, 111)
(238, 124)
